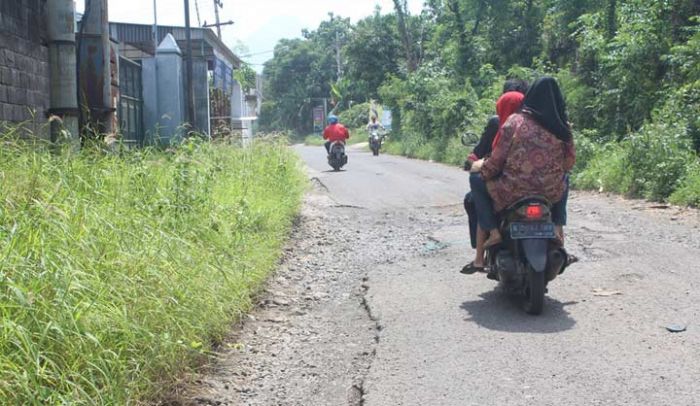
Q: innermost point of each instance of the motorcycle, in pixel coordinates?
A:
(530, 255)
(375, 141)
(336, 157)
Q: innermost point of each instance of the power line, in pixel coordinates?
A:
(257, 53)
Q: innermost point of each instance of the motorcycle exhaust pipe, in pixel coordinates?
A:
(556, 259)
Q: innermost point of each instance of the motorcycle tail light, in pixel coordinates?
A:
(534, 212)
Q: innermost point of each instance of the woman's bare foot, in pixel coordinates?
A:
(559, 232)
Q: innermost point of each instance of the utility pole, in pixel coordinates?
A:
(325, 108)
(95, 66)
(155, 27)
(218, 24)
(155, 52)
(190, 82)
(217, 4)
(196, 8)
(337, 54)
(62, 65)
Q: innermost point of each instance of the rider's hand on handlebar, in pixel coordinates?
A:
(476, 166)
(468, 164)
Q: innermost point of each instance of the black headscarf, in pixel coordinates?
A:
(545, 103)
(483, 148)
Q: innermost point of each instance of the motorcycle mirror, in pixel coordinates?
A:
(469, 138)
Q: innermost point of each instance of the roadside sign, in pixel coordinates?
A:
(386, 118)
(319, 119)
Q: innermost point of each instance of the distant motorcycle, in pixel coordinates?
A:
(336, 157)
(375, 141)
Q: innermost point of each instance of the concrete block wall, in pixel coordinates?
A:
(24, 63)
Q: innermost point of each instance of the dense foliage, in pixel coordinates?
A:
(119, 272)
(630, 70)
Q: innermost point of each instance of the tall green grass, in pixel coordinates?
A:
(118, 272)
(656, 163)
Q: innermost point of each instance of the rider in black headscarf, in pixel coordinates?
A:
(545, 103)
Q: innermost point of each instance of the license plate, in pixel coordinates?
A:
(519, 231)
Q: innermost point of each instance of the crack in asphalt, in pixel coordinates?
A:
(358, 397)
(313, 338)
(318, 184)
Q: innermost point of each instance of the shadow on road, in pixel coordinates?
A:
(498, 311)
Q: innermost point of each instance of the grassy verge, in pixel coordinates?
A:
(119, 272)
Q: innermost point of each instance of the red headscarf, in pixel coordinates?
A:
(506, 105)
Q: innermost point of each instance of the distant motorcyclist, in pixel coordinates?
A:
(374, 124)
(334, 132)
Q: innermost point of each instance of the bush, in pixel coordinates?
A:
(606, 170)
(355, 117)
(119, 272)
(688, 192)
(658, 158)
(586, 148)
(652, 163)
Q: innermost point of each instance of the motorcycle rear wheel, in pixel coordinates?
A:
(534, 296)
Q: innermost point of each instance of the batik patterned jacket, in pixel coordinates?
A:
(528, 160)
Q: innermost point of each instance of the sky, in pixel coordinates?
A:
(259, 24)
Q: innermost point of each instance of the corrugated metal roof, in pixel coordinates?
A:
(140, 34)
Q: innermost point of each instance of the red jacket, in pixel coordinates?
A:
(336, 132)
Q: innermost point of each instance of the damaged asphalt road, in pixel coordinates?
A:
(368, 307)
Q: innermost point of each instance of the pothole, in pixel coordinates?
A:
(318, 184)
(434, 245)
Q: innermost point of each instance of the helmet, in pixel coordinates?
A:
(333, 119)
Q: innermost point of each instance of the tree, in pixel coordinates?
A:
(246, 77)
(402, 14)
(372, 54)
(289, 84)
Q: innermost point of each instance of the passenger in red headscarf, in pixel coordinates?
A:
(506, 105)
(509, 103)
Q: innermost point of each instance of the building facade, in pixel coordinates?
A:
(24, 65)
(148, 93)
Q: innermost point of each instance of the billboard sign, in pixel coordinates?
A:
(319, 119)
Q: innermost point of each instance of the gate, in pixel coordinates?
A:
(130, 102)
